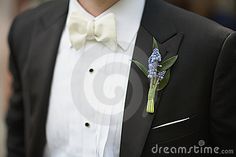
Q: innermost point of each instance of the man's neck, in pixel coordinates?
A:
(97, 7)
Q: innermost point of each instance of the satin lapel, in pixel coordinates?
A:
(43, 52)
(136, 122)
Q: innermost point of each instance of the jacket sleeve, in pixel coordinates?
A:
(15, 114)
(223, 102)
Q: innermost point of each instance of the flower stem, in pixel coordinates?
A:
(151, 95)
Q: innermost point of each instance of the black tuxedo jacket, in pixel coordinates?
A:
(202, 85)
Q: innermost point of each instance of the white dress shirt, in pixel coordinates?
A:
(89, 88)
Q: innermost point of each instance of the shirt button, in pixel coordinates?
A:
(91, 70)
(87, 124)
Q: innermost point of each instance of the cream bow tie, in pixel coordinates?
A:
(102, 30)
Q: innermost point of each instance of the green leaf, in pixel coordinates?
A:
(155, 45)
(163, 83)
(165, 65)
(141, 67)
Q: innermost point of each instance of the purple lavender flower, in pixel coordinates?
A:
(153, 62)
(155, 57)
(161, 75)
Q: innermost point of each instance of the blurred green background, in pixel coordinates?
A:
(222, 11)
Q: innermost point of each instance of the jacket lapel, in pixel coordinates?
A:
(43, 51)
(136, 122)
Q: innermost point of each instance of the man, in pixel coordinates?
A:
(64, 52)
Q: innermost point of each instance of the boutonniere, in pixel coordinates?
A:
(158, 72)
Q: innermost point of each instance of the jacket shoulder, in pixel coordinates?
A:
(26, 18)
(187, 21)
(23, 26)
(201, 33)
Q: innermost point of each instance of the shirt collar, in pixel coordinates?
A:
(128, 15)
